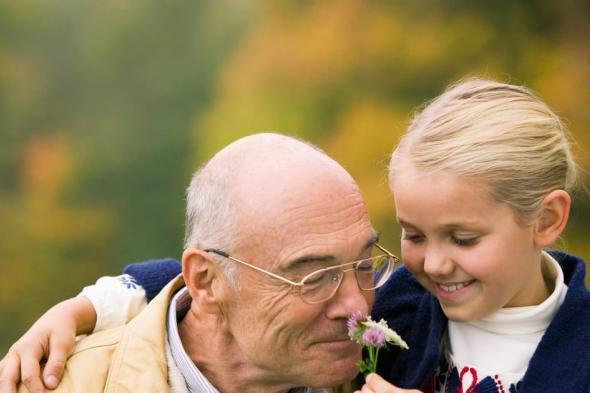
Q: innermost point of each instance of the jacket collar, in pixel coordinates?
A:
(142, 348)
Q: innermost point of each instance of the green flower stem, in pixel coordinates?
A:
(372, 364)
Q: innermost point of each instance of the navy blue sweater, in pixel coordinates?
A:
(560, 364)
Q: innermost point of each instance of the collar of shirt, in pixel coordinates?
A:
(193, 377)
(504, 342)
(528, 319)
(195, 381)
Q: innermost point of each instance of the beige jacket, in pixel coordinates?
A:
(131, 358)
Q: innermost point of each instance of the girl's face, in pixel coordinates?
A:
(465, 248)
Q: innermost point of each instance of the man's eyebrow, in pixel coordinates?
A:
(372, 241)
(309, 258)
(327, 257)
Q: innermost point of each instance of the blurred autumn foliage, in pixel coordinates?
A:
(107, 107)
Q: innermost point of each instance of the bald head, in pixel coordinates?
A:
(256, 179)
(271, 155)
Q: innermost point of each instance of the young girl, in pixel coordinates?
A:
(480, 185)
(480, 182)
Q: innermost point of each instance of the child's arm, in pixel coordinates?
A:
(111, 302)
(116, 300)
(52, 337)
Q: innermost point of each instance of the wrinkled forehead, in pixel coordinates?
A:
(303, 210)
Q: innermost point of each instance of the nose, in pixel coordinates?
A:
(437, 263)
(349, 298)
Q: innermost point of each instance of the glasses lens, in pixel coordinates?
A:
(321, 285)
(373, 272)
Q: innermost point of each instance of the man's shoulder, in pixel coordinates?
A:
(102, 339)
(88, 366)
(127, 358)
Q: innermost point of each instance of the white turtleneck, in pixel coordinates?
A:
(502, 344)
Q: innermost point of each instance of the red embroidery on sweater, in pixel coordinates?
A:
(499, 383)
(473, 373)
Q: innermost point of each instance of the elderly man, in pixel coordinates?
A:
(279, 251)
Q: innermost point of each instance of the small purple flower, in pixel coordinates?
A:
(353, 321)
(374, 336)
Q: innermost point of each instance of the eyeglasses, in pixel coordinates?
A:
(320, 285)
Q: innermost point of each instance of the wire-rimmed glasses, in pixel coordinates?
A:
(320, 285)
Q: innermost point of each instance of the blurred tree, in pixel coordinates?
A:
(107, 107)
(96, 105)
(347, 75)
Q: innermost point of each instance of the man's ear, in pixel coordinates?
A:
(201, 276)
(552, 218)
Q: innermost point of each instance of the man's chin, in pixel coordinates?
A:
(333, 372)
(334, 377)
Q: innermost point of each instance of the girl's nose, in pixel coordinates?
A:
(437, 263)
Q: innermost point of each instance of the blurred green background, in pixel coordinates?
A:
(106, 108)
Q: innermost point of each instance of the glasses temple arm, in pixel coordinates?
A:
(226, 255)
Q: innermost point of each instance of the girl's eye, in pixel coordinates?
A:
(465, 242)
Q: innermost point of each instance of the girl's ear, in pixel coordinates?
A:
(553, 218)
(201, 276)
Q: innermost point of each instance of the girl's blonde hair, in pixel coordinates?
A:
(493, 132)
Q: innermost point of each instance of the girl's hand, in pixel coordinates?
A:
(375, 384)
(51, 338)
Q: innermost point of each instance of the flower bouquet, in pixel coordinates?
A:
(373, 336)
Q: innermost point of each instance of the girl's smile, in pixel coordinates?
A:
(452, 290)
(468, 250)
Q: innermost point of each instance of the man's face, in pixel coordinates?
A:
(277, 332)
